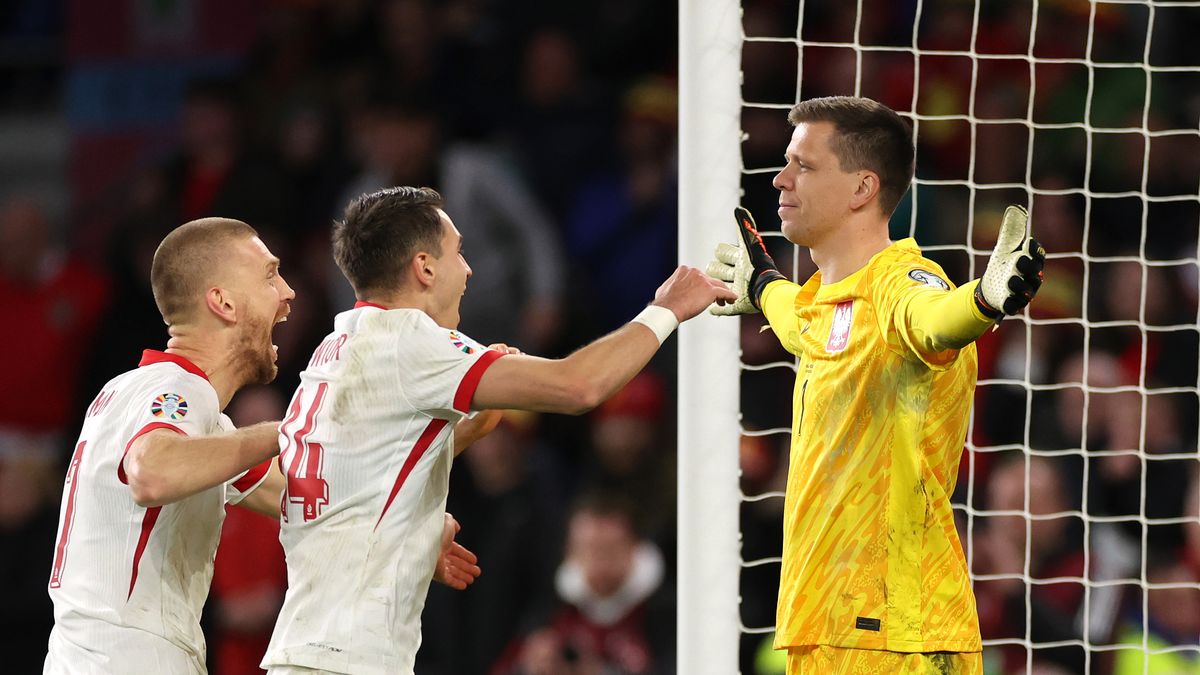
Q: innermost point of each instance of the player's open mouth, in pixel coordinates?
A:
(281, 319)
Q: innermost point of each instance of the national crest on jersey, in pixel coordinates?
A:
(839, 332)
(169, 406)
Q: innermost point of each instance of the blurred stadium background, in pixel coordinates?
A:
(550, 128)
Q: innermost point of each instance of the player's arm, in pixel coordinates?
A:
(264, 498)
(581, 381)
(932, 321)
(165, 466)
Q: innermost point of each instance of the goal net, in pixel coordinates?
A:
(1077, 497)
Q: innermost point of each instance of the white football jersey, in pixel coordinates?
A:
(128, 582)
(366, 446)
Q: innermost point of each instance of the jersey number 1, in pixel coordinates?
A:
(305, 486)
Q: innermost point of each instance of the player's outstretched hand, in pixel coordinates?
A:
(688, 291)
(456, 566)
(1014, 273)
(746, 266)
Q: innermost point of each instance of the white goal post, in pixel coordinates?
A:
(710, 43)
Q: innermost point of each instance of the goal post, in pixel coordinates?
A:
(710, 42)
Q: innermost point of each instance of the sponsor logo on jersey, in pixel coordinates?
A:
(460, 344)
(170, 406)
(839, 333)
(929, 279)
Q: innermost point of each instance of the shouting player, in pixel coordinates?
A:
(156, 462)
(367, 439)
(873, 577)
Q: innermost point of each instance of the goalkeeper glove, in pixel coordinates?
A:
(1014, 273)
(746, 266)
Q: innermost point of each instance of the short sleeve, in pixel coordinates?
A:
(183, 403)
(247, 482)
(440, 370)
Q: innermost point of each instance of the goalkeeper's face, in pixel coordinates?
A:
(451, 272)
(814, 193)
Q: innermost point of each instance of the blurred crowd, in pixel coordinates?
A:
(550, 129)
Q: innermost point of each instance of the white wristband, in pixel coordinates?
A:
(658, 319)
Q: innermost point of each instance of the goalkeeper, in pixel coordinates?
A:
(874, 579)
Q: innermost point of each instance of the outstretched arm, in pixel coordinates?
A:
(165, 466)
(586, 378)
(932, 321)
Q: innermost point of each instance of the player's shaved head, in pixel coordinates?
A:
(869, 136)
(382, 231)
(188, 262)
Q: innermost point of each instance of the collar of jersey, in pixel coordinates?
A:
(362, 303)
(814, 291)
(152, 356)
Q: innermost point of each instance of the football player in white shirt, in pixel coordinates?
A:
(367, 441)
(156, 462)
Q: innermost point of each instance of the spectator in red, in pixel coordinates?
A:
(1055, 550)
(52, 303)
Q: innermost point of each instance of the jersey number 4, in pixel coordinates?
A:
(305, 485)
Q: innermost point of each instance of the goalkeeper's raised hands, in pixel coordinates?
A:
(745, 266)
(1014, 273)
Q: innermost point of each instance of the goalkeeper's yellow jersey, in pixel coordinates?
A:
(871, 559)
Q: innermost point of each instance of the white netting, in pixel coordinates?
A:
(1089, 113)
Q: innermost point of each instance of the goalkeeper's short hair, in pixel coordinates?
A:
(870, 136)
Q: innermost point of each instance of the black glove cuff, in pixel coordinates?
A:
(759, 284)
(985, 308)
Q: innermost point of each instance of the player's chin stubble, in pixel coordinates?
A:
(255, 356)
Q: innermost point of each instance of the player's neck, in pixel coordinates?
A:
(214, 355)
(849, 249)
(406, 299)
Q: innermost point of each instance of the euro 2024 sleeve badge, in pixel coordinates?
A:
(171, 406)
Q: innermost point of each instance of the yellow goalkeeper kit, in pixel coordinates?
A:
(887, 368)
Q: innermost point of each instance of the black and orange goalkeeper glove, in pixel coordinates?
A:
(746, 267)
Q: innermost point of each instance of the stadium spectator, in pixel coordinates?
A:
(628, 455)
(514, 248)
(615, 610)
(1055, 550)
(217, 172)
(249, 575)
(53, 303)
(620, 229)
(1172, 621)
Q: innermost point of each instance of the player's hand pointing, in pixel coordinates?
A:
(689, 291)
(456, 566)
(1014, 273)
